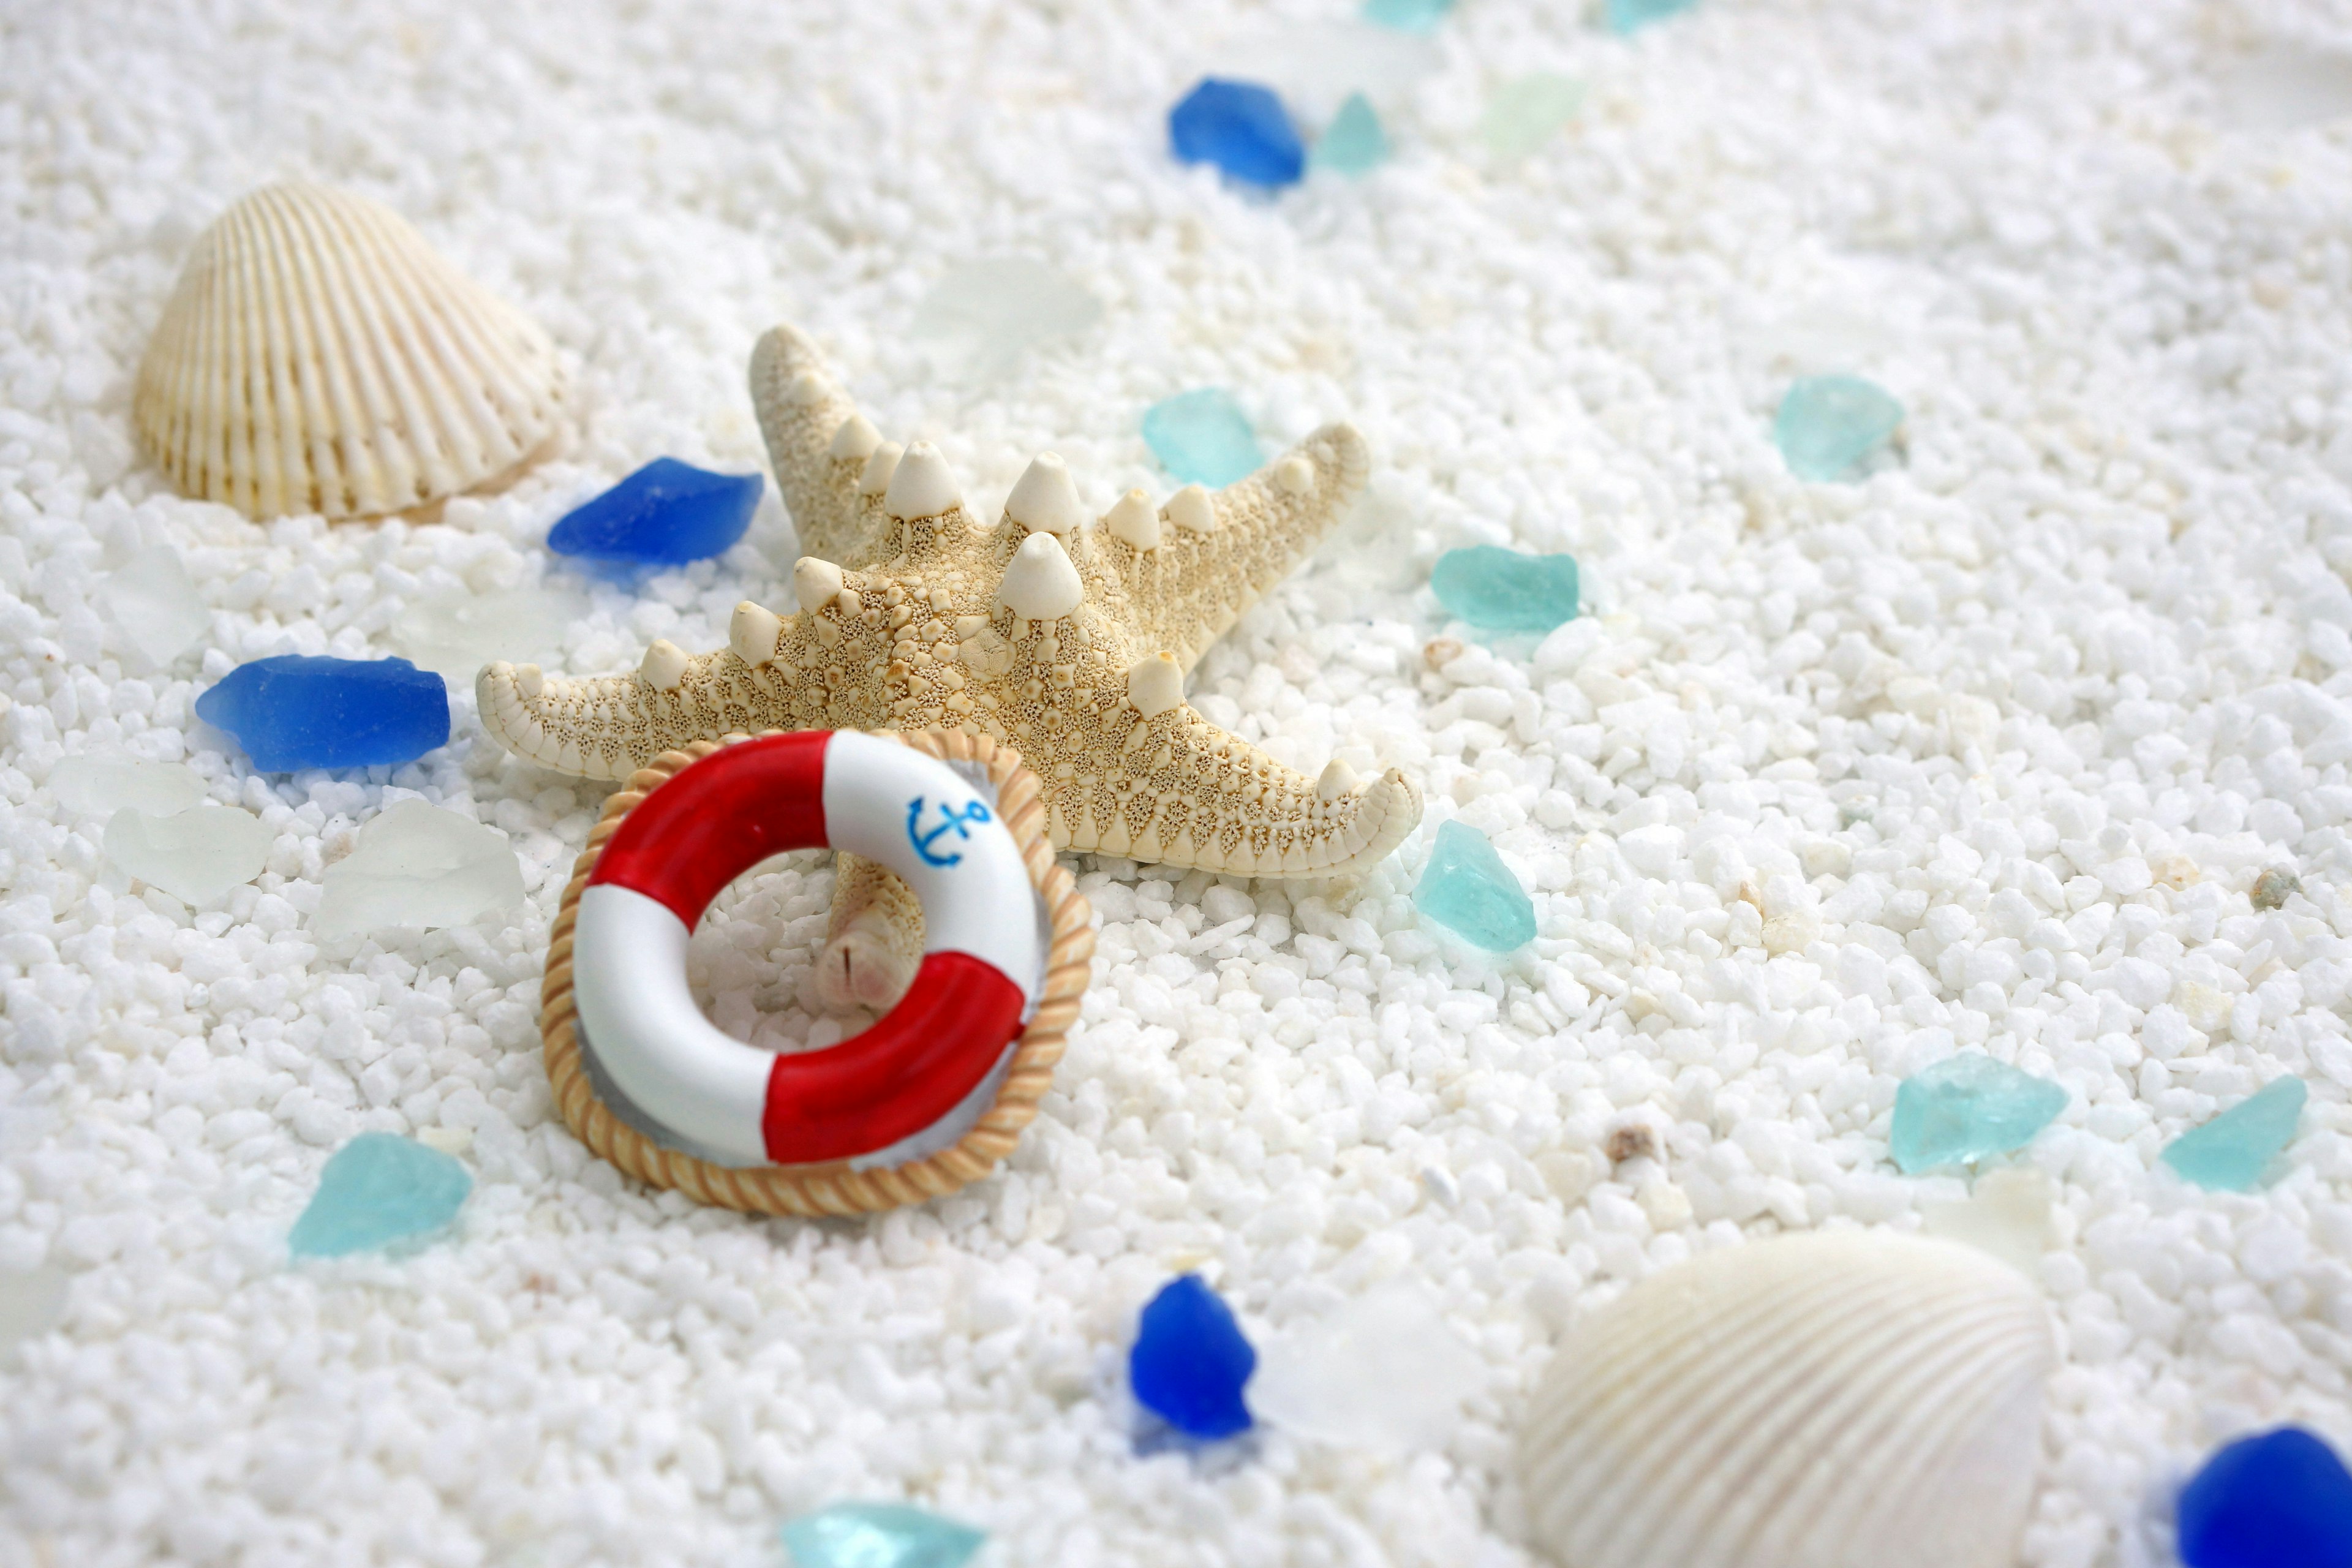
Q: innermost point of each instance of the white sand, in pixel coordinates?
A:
(1999, 740)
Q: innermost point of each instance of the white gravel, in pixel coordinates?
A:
(1993, 744)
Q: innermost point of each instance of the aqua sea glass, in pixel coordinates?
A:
(377, 1191)
(1408, 16)
(880, 1535)
(1240, 127)
(1202, 437)
(1191, 1361)
(1967, 1108)
(665, 514)
(2229, 1154)
(1828, 424)
(2281, 1500)
(1353, 143)
(1503, 590)
(1631, 16)
(1468, 889)
(295, 712)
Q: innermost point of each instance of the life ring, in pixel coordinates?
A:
(943, 812)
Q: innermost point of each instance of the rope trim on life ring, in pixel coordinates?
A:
(833, 1187)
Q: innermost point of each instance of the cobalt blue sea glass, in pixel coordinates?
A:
(1191, 1361)
(1240, 127)
(2282, 1500)
(296, 711)
(665, 514)
(378, 1190)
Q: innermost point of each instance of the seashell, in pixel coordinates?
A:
(318, 355)
(1830, 1401)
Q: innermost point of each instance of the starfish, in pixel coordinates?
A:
(1068, 641)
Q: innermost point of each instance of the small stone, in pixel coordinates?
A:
(880, 1535)
(1190, 1360)
(1829, 424)
(1353, 143)
(297, 712)
(1240, 127)
(1632, 1142)
(194, 855)
(156, 606)
(32, 1303)
(454, 634)
(101, 786)
(417, 867)
(2274, 887)
(2007, 1215)
(1967, 1107)
(1523, 113)
(1632, 16)
(1408, 16)
(1439, 652)
(1384, 1372)
(1468, 889)
(2231, 1153)
(665, 514)
(984, 316)
(377, 1190)
(1202, 437)
(2282, 1500)
(1503, 590)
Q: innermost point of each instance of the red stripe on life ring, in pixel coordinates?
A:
(912, 1067)
(716, 820)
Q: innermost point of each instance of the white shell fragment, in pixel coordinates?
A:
(814, 583)
(1040, 584)
(1045, 499)
(1845, 1400)
(1190, 509)
(1131, 520)
(317, 356)
(1156, 684)
(752, 632)
(922, 485)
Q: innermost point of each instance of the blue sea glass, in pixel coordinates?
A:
(1502, 590)
(1408, 16)
(1190, 1360)
(2229, 1154)
(1353, 143)
(378, 1190)
(1468, 889)
(1202, 437)
(2282, 1499)
(1630, 16)
(1828, 424)
(1968, 1106)
(665, 514)
(296, 711)
(1240, 127)
(880, 1535)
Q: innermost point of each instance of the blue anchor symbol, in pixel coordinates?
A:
(949, 819)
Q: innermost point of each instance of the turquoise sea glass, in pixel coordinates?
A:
(1505, 591)
(1353, 143)
(2229, 1154)
(1468, 889)
(880, 1535)
(1202, 437)
(376, 1191)
(1968, 1106)
(1828, 424)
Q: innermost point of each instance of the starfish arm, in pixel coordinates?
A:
(608, 727)
(802, 412)
(1184, 793)
(1185, 592)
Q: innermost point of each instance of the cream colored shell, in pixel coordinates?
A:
(317, 355)
(1829, 1400)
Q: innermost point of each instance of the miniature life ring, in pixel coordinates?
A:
(904, 1088)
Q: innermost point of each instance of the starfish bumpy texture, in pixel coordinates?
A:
(1068, 641)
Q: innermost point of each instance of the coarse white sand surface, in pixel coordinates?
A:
(1982, 751)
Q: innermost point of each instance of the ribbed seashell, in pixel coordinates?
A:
(318, 355)
(1830, 1401)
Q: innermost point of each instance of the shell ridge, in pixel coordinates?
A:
(464, 434)
(273, 381)
(335, 382)
(400, 437)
